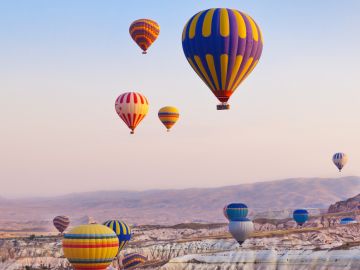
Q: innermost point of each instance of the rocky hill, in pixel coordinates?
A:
(181, 206)
(352, 204)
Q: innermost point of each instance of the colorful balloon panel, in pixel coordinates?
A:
(144, 32)
(223, 46)
(132, 260)
(122, 231)
(168, 116)
(61, 223)
(340, 160)
(90, 246)
(236, 211)
(300, 216)
(132, 107)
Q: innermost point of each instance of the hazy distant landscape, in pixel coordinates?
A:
(175, 206)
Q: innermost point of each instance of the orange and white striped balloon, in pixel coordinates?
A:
(132, 107)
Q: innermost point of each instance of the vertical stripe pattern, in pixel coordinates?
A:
(223, 46)
(132, 108)
(340, 160)
(236, 211)
(61, 223)
(144, 32)
(122, 231)
(168, 116)
(91, 246)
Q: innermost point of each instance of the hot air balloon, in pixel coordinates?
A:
(90, 246)
(132, 260)
(236, 211)
(144, 32)
(241, 229)
(122, 231)
(340, 160)
(132, 108)
(61, 223)
(223, 46)
(300, 216)
(168, 116)
(347, 220)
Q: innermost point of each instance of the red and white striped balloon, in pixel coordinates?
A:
(132, 107)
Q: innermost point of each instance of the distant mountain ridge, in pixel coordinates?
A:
(186, 205)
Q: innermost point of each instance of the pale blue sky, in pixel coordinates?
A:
(63, 63)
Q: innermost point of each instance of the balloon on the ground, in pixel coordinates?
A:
(340, 160)
(133, 259)
(132, 107)
(144, 32)
(223, 46)
(241, 229)
(168, 116)
(300, 216)
(122, 230)
(61, 223)
(236, 211)
(91, 246)
(347, 220)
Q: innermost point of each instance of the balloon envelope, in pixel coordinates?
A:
(61, 223)
(347, 220)
(168, 116)
(144, 32)
(241, 229)
(223, 46)
(300, 216)
(132, 108)
(122, 231)
(236, 211)
(340, 160)
(132, 260)
(90, 246)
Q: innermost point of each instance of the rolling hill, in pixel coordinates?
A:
(178, 206)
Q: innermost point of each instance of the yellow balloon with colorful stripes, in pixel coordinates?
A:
(168, 116)
(121, 229)
(90, 246)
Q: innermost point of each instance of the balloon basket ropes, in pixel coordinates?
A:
(222, 107)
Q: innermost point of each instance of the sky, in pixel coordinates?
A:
(63, 63)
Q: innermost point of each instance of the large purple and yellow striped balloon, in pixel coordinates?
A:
(223, 46)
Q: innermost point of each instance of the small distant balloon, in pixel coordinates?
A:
(90, 246)
(340, 160)
(300, 216)
(121, 229)
(241, 229)
(347, 220)
(61, 223)
(168, 116)
(132, 260)
(144, 32)
(132, 107)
